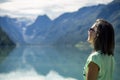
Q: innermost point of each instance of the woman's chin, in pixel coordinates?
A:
(90, 41)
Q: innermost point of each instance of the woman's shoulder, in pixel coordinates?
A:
(95, 54)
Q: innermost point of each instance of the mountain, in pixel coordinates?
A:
(69, 28)
(12, 28)
(4, 39)
(72, 27)
(37, 32)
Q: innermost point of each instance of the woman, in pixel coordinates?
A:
(100, 63)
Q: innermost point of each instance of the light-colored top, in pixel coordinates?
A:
(105, 63)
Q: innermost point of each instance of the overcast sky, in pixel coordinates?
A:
(52, 8)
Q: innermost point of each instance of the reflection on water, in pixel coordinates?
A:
(4, 51)
(45, 63)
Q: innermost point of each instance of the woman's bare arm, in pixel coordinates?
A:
(93, 70)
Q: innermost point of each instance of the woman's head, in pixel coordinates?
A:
(101, 36)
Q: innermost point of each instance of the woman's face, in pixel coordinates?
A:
(92, 34)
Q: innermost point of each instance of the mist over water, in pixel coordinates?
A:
(46, 63)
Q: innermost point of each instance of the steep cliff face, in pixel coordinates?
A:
(6, 45)
(13, 28)
(4, 39)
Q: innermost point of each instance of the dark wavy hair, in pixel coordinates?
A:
(104, 40)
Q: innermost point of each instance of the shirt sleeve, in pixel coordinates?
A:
(95, 57)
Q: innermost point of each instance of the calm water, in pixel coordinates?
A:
(47, 63)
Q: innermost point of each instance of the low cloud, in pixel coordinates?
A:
(32, 75)
(53, 8)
